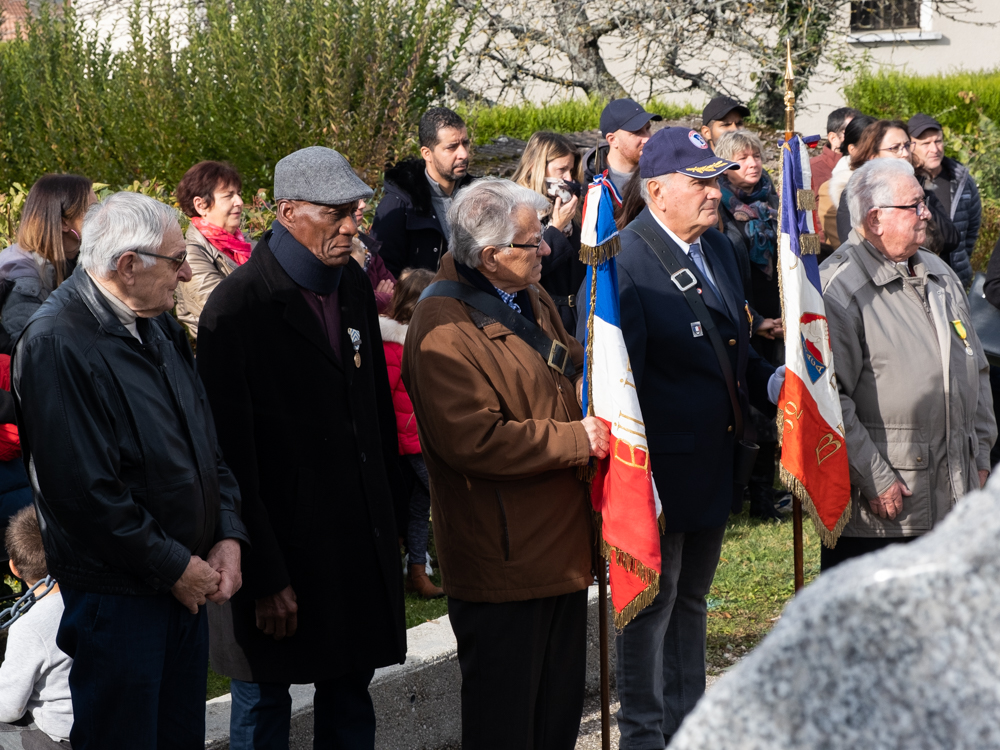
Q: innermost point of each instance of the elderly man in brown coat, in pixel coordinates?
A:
(492, 375)
(914, 381)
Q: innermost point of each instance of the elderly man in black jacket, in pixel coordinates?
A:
(411, 220)
(139, 514)
(290, 352)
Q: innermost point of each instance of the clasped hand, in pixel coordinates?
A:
(215, 579)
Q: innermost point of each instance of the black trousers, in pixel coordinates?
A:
(523, 671)
(855, 546)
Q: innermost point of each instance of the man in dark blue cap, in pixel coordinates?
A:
(695, 373)
(625, 127)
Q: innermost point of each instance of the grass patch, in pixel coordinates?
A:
(754, 580)
(570, 116)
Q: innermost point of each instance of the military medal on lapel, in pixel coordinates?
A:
(959, 327)
(356, 342)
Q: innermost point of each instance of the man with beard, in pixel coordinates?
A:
(411, 220)
(625, 127)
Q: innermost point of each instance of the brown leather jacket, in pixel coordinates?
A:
(502, 438)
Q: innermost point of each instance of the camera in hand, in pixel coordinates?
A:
(563, 189)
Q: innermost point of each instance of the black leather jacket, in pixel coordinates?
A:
(120, 446)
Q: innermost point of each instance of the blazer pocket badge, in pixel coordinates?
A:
(356, 343)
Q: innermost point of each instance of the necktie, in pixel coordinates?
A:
(699, 260)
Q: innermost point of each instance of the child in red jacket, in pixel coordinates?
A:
(412, 283)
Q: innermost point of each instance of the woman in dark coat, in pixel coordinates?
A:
(552, 167)
(748, 216)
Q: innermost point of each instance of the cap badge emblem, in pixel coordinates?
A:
(696, 139)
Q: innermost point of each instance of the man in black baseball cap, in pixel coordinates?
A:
(954, 186)
(625, 127)
(720, 115)
(690, 423)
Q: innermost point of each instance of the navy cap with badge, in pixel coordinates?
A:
(681, 150)
(624, 114)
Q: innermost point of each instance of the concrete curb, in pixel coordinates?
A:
(418, 703)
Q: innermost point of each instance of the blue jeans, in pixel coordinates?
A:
(140, 664)
(343, 714)
(420, 511)
(661, 653)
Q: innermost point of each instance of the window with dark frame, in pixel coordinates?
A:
(884, 15)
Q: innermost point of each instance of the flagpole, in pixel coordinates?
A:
(602, 592)
(796, 502)
(602, 572)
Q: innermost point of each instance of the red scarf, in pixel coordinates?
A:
(233, 246)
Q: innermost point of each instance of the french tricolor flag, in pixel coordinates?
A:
(813, 446)
(623, 491)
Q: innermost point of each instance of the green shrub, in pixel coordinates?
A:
(955, 99)
(570, 116)
(989, 233)
(247, 81)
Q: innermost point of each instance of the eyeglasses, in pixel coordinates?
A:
(526, 247)
(898, 147)
(175, 260)
(918, 207)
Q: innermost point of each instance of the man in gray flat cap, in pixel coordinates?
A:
(291, 356)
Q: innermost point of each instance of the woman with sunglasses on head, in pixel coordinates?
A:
(887, 139)
(209, 193)
(48, 241)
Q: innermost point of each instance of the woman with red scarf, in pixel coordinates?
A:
(210, 194)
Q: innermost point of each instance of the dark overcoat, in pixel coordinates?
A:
(312, 441)
(682, 390)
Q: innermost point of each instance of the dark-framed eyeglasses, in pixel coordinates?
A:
(526, 246)
(907, 147)
(175, 260)
(917, 207)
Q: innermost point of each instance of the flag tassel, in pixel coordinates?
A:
(827, 536)
(594, 256)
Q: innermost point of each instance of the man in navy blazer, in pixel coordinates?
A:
(690, 424)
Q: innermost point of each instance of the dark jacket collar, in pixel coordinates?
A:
(475, 277)
(86, 289)
(286, 293)
(408, 177)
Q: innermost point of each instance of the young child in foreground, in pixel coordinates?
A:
(34, 677)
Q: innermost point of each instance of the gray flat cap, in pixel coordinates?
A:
(318, 175)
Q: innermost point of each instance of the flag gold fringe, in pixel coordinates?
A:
(641, 571)
(829, 537)
(587, 472)
(593, 256)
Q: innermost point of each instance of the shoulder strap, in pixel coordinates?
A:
(553, 352)
(687, 283)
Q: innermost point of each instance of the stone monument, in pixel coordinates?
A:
(895, 650)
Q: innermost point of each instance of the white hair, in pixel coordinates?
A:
(480, 216)
(121, 223)
(874, 184)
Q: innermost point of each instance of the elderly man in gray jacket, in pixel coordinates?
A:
(914, 382)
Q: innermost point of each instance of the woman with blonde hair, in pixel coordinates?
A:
(553, 168)
(48, 241)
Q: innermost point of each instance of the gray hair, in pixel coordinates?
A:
(736, 142)
(874, 184)
(120, 223)
(644, 184)
(480, 216)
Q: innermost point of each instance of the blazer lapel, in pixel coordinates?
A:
(726, 285)
(712, 300)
